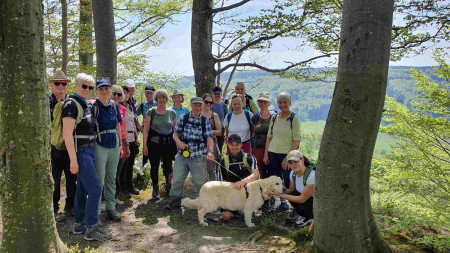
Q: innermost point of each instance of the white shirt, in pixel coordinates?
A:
(299, 180)
(239, 125)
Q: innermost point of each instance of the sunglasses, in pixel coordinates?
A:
(85, 86)
(118, 94)
(208, 102)
(60, 83)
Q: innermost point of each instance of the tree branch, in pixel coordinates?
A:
(226, 8)
(143, 40)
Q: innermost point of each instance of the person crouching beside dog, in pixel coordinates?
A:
(193, 136)
(237, 167)
(301, 189)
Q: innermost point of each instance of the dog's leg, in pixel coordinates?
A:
(248, 218)
(201, 215)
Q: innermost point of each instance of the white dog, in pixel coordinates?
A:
(220, 194)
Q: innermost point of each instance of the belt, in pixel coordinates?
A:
(90, 144)
(130, 132)
(247, 141)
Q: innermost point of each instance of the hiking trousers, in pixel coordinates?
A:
(106, 162)
(197, 167)
(61, 162)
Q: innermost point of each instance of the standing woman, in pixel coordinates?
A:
(80, 145)
(217, 131)
(119, 97)
(126, 175)
(108, 148)
(261, 121)
(238, 121)
(178, 99)
(158, 141)
(283, 136)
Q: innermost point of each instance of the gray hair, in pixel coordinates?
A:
(161, 93)
(83, 78)
(284, 96)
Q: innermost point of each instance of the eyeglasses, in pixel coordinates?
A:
(116, 93)
(208, 102)
(236, 96)
(85, 86)
(60, 83)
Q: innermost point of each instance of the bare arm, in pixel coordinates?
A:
(266, 151)
(147, 122)
(68, 127)
(180, 145)
(252, 177)
(218, 130)
(307, 193)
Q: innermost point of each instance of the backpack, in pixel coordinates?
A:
(247, 115)
(184, 120)
(258, 116)
(57, 138)
(247, 101)
(306, 175)
(226, 160)
(291, 118)
(97, 113)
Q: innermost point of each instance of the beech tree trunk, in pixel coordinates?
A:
(85, 53)
(65, 51)
(105, 39)
(344, 221)
(25, 181)
(201, 46)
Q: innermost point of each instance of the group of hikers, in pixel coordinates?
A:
(101, 141)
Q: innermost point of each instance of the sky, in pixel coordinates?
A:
(174, 55)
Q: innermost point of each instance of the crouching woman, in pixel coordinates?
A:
(301, 189)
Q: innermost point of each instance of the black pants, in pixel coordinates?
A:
(155, 152)
(61, 162)
(303, 209)
(221, 140)
(126, 174)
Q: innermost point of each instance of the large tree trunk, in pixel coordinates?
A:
(201, 46)
(25, 181)
(65, 51)
(85, 53)
(344, 221)
(105, 39)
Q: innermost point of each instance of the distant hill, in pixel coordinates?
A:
(311, 100)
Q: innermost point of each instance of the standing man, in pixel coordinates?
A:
(142, 110)
(247, 100)
(60, 158)
(193, 137)
(221, 109)
(134, 145)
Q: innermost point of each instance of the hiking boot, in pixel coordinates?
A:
(79, 228)
(155, 193)
(134, 191)
(267, 207)
(96, 233)
(174, 204)
(301, 223)
(293, 216)
(125, 194)
(113, 215)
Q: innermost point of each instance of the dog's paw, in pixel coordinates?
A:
(251, 225)
(204, 224)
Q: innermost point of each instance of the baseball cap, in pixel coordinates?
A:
(217, 89)
(234, 137)
(129, 83)
(102, 82)
(149, 88)
(294, 155)
(263, 97)
(195, 100)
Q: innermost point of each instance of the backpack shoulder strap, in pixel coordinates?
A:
(306, 175)
(229, 117)
(226, 161)
(203, 119)
(273, 123)
(246, 162)
(247, 103)
(79, 109)
(184, 121)
(256, 118)
(294, 176)
(247, 115)
(291, 118)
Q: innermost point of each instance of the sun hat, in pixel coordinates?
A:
(196, 100)
(294, 155)
(177, 92)
(263, 97)
(59, 76)
(129, 83)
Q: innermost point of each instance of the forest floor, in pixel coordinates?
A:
(146, 226)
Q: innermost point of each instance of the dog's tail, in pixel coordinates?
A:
(191, 203)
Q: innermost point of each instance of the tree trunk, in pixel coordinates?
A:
(201, 46)
(25, 182)
(105, 39)
(344, 221)
(85, 54)
(65, 51)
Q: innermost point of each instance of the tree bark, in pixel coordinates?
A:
(201, 46)
(85, 54)
(65, 51)
(25, 181)
(105, 39)
(344, 221)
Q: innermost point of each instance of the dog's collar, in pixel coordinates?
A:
(246, 191)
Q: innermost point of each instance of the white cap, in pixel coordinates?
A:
(129, 83)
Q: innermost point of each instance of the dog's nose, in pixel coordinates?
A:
(284, 188)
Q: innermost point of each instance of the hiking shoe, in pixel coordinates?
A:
(134, 191)
(113, 215)
(293, 216)
(96, 233)
(119, 202)
(300, 223)
(174, 204)
(282, 208)
(79, 228)
(125, 194)
(267, 207)
(155, 193)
